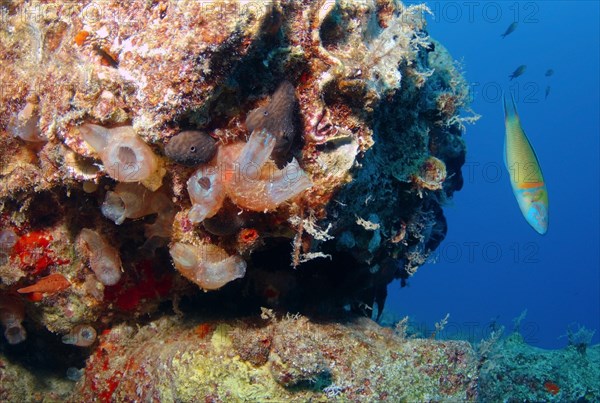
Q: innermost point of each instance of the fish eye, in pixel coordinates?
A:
(193, 149)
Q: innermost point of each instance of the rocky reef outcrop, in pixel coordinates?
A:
(288, 154)
(312, 145)
(290, 359)
(285, 359)
(517, 371)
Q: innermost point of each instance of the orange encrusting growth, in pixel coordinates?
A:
(248, 235)
(551, 387)
(204, 329)
(51, 284)
(81, 37)
(104, 387)
(34, 253)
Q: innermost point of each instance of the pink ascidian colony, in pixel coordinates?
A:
(244, 173)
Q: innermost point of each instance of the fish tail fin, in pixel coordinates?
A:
(510, 109)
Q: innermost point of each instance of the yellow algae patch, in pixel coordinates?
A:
(155, 181)
(221, 376)
(241, 382)
(220, 339)
(191, 376)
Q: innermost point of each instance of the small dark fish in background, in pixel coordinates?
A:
(519, 71)
(511, 28)
(549, 72)
(547, 92)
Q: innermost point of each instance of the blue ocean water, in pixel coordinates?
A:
(492, 265)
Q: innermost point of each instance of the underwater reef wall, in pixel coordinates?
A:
(288, 154)
(231, 142)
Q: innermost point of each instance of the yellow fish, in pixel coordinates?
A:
(524, 170)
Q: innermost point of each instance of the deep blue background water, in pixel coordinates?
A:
(492, 265)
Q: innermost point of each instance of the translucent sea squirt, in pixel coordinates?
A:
(431, 174)
(105, 261)
(131, 200)
(126, 157)
(260, 185)
(25, 125)
(12, 313)
(81, 336)
(8, 239)
(245, 173)
(207, 265)
(206, 193)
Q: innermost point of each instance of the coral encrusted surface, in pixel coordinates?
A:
(291, 359)
(219, 157)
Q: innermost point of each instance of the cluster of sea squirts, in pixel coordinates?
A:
(288, 187)
(243, 172)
